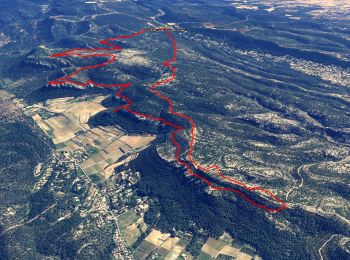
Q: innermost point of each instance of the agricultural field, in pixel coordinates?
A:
(165, 246)
(161, 245)
(224, 247)
(65, 120)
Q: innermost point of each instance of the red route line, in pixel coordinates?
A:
(93, 52)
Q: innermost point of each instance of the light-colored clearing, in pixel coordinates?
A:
(137, 141)
(243, 256)
(157, 238)
(210, 250)
(174, 253)
(249, 7)
(81, 112)
(230, 251)
(325, 3)
(170, 243)
(132, 56)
